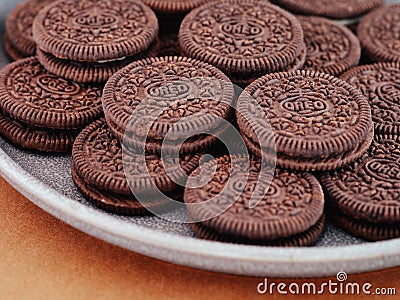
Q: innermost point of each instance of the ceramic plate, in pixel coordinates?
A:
(46, 181)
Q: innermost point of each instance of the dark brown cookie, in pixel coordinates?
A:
(290, 205)
(331, 47)
(368, 189)
(91, 72)
(317, 121)
(34, 138)
(242, 37)
(115, 203)
(365, 230)
(168, 90)
(18, 27)
(297, 64)
(95, 31)
(380, 84)
(174, 6)
(379, 34)
(303, 239)
(338, 9)
(11, 51)
(99, 160)
(169, 45)
(33, 96)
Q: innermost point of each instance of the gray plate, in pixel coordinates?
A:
(46, 181)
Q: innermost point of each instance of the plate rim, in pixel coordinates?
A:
(201, 254)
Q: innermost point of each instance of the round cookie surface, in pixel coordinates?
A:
(338, 9)
(99, 161)
(368, 189)
(10, 50)
(290, 205)
(165, 91)
(379, 34)
(94, 31)
(380, 84)
(18, 26)
(331, 47)
(314, 118)
(33, 96)
(242, 37)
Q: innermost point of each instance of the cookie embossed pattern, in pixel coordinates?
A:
(152, 236)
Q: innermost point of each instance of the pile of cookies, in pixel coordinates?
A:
(97, 81)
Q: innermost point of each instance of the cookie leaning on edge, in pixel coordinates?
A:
(93, 32)
(42, 111)
(288, 210)
(318, 122)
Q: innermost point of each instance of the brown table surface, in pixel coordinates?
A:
(42, 257)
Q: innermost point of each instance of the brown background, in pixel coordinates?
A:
(42, 257)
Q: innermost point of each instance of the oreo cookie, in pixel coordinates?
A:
(169, 45)
(378, 34)
(107, 176)
(331, 47)
(380, 84)
(241, 38)
(287, 210)
(18, 38)
(93, 35)
(339, 9)
(43, 108)
(318, 122)
(368, 190)
(183, 97)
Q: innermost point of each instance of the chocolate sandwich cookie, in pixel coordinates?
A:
(18, 28)
(338, 9)
(35, 138)
(307, 238)
(290, 205)
(37, 99)
(164, 91)
(10, 50)
(331, 47)
(91, 72)
(318, 122)
(169, 45)
(380, 84)
(174, 6)
(95, 37)
(364, 229)
(368, 189)
(107, 176)
(297, 64)
(379, 34)
(98, 159)
(243, 38)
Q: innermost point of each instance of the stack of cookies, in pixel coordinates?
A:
(307, 112)
(88, 41)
